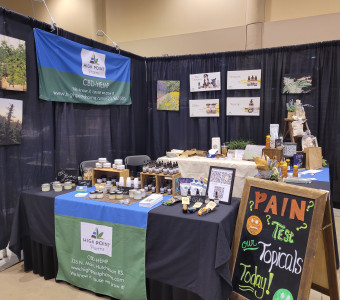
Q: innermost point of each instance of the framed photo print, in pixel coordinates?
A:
(221, 181)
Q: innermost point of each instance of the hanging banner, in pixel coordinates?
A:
(72, 72)
(101, 246)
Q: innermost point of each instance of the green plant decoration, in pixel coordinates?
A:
(238, 144)
(324, 162)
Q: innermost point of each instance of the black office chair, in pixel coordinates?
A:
(87, 164)
(137, 162)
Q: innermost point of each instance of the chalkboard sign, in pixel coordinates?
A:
(194, 199)
(273, 250)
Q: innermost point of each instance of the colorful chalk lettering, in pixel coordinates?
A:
(249, 245)
(271, 206)
(281, 233)
(282, 260)
(254, 282)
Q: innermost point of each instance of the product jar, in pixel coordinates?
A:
(132, 193)
(45, 187)
(68, 185)
(57, 187)
(138, 195)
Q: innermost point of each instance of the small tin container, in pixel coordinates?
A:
(68, 185)
(107, 165)
(45, 187)
(57, 187)
(132, 193)
(137, 195)
(118, 161)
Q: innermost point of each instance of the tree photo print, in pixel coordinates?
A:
(10, 121)
(12, 64)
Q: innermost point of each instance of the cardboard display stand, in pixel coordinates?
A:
(279, 232)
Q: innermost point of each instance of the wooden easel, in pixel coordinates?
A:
(288, 128)
(325, 275)
(319, 271)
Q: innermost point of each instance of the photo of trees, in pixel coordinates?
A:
(12, 64)
(10, 121)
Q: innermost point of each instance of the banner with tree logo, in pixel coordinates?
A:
(72, 72)
(101, 246)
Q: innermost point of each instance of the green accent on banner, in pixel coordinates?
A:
(121, 275)
(76, 88)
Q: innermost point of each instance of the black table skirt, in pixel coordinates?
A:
(186, 255)
(42, 260)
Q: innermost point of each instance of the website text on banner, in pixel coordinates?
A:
(72, 72)
(101, 246)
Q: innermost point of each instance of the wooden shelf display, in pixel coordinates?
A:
(288, 129)
(97, 172)
(160, 178)
(273, 153)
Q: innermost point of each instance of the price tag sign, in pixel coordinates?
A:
(197, 204)
(185, 200)
(211, 205)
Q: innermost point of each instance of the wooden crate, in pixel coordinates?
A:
(273, 152)
(97, 172)
(144, 176)
(159, 179)
(175, 182)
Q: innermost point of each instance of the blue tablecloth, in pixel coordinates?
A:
(320, 176)
(109, 212)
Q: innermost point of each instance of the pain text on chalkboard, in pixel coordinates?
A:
(272, 245)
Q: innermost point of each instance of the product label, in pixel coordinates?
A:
(185, 200)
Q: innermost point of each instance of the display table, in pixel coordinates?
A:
(197, 167)
(184, 252)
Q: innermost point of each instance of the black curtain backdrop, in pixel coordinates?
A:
(171, 129)
(61, 135)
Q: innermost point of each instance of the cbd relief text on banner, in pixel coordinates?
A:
(72, 72)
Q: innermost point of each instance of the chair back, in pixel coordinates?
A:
(87, 164)
(135, 163)
(137, 160)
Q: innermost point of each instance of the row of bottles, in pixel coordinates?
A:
(160, 167)
(204, 210)
(285, 167)
(165, 188)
